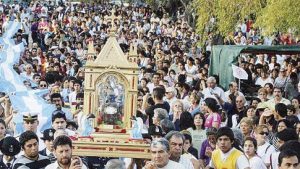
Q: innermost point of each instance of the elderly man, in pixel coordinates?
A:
(213, 90)
(170, 97)
(176, 140)
(235, 111)
(233, 89)
(160, 152)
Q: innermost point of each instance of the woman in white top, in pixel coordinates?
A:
(80, 52)
(250, 147)
(263, 79)
(191, 69)
(198, 132)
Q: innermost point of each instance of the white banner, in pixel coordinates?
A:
(239, 73)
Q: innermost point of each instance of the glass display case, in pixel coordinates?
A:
(111, 100)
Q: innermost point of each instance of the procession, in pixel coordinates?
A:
(146, 85)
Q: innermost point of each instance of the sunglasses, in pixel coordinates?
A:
(139, 100)
(43, 85)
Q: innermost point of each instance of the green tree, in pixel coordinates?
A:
(279, 15)
(225, 13)
(270, 15)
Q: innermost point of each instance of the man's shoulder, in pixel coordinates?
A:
(150, 109)
(51, 166)
(22, 159)
(150, 85)
(217, 88)
(42, 157)
(173, 165)
(185, 161)
(164, 105)
(43, 152)
(285, 101)
(20, 162)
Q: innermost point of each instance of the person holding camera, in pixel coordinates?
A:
(63, 152)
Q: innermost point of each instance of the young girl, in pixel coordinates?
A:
(250, 147)
(198, 132)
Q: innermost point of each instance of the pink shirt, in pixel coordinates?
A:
(215, 117)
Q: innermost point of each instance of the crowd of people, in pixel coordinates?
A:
(189, 119)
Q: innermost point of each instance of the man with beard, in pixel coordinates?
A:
(31, 159)
(63, 152)
(57, 100)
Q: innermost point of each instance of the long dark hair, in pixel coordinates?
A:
(212, 104)
(202, 117)
(294, 79)
(186, 120)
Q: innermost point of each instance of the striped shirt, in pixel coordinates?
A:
(24, 163)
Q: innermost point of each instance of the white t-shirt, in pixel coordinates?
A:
(241, 163)
(235, 123)
(198, 137)
(256, 162)
(186, 162)
(274, 162)
(151, 87)
(173, 165)
(72, 97)
(209, 92)
(264, 151)
(227, 93)
(262, 82)
(191, 71)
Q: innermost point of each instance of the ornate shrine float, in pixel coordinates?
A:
(110, 94)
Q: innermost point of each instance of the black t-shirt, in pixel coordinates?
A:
(150, 110)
